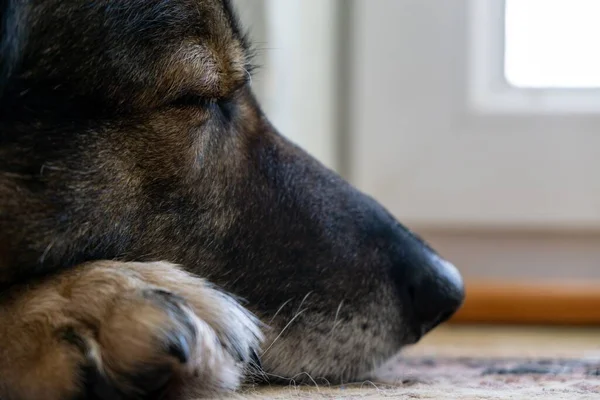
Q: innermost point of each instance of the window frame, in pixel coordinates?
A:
(488, 90)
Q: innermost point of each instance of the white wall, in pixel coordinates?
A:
(433, 160)
(502, 196)
(297, 83)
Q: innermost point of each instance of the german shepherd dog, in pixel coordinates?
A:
(142, 188)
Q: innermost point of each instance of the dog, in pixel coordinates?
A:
(160, 239)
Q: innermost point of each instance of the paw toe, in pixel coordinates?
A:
(179, 347)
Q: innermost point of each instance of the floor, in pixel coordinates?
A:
(454, 362)
(508, 341)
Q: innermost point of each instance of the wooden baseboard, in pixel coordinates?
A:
(556, 303)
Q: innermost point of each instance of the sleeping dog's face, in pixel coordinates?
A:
(128, 130)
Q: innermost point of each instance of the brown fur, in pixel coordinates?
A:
(129, 134)
(114, 318)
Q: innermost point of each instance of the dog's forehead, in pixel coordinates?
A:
(212, 54)
(212, 24)
(147, 18)
(218, 52)
(173, 48)
(216, 19)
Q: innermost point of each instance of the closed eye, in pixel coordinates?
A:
(221, 108)
(197, 100)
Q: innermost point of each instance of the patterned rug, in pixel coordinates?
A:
(475, 363)
(460, 378)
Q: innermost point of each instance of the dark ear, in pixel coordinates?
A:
(12, 29)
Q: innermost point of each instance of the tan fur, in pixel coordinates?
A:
(129, 131)
(107, 305)
(213, 74)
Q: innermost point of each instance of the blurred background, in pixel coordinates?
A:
(476, 122)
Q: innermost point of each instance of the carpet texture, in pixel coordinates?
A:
(475, 363)
(462, 378)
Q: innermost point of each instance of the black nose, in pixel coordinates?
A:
(436, 292)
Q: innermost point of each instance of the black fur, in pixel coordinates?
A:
(112, 148)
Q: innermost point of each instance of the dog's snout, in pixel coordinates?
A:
(435, 292)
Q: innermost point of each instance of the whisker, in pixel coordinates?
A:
(283, 330)
(279, 310)
(367, 382)
(335, 320)
(303, 300)
(249, 76)
(46, 251)
(255, 370)
(293, 379)
(313, 381)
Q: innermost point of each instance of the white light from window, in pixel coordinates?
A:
(552, 43)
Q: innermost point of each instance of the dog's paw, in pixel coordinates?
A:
(123, 331)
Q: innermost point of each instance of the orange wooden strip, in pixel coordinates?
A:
(576, 303)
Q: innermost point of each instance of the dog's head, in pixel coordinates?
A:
(128, 130)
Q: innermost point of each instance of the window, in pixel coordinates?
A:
(552, 43)
(534, 57)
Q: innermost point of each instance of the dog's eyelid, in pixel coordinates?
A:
(192, 100)
(200, 100)
(196, 100)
